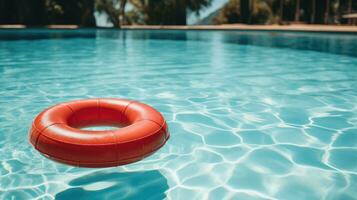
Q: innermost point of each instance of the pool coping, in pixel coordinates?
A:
(232, 27)
(243, 27)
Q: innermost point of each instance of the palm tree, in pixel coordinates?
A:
(115, 16)
(168, 12)
(122, 11)
(194, 6)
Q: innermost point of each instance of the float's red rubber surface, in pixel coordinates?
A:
(55, 132)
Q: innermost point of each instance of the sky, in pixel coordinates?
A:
(101, 19)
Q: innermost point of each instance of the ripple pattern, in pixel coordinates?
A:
(247, 121)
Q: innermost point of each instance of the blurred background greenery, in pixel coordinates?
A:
(176, 12)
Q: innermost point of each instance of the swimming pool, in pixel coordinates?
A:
(252, 115)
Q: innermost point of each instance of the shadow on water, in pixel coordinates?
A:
(127, 185)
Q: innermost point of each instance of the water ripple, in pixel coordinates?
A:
(247, 120)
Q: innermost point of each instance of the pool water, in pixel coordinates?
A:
(252, 115)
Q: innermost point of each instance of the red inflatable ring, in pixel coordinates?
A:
(55, 132)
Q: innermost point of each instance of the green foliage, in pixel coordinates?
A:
(43, 12)
(261, 13)
(53, 7)
(197, 5)
(152, 12)
(172, 12)
(134, 18)
(230, 13)
(164, 12)
(282, 11)
(109, 8)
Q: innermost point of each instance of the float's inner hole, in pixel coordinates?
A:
(98, 118)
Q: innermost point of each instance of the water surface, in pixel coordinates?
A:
(252, 115)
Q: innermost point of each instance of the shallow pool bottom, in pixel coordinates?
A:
(252, 115)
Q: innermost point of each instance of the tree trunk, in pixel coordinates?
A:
(313, 9)
(327, 11)
(281, 7)
(297, 11)
(122, 12)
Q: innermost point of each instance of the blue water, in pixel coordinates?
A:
(252, 115)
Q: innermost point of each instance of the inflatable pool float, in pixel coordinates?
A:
(56, 132)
